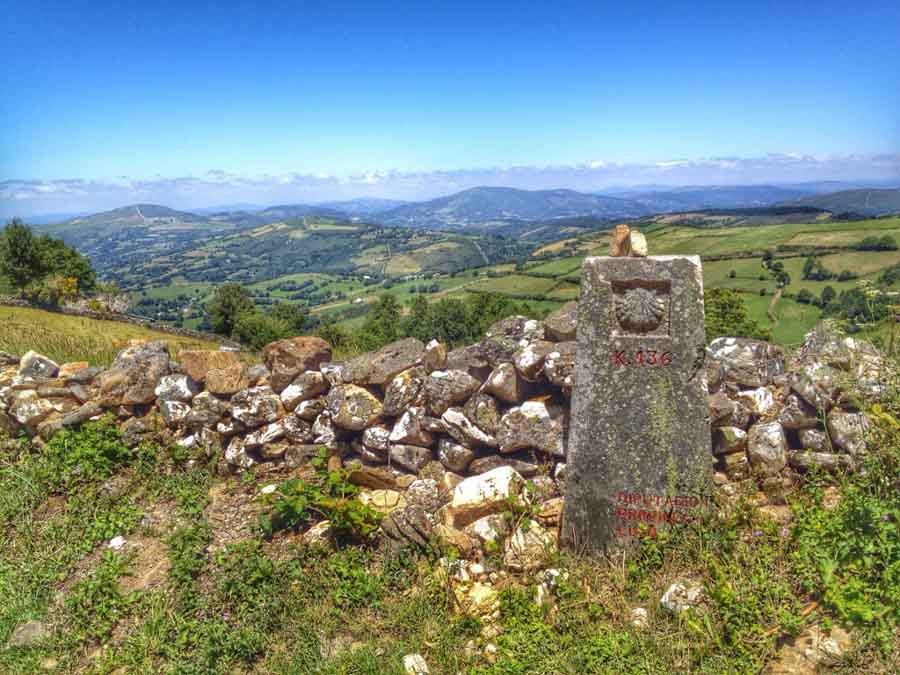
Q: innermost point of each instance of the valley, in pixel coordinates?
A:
(336, 259)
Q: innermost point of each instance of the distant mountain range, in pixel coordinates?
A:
(864, 202)
(713, 197)
(483, 210)
(479, 206)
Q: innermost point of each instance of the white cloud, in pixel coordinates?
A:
(218, 186)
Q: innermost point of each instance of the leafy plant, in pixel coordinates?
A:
(89, 454)
(95, 604)
(296, 503)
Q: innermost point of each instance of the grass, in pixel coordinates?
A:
(218, 597)
(70, 338)
(516, 285)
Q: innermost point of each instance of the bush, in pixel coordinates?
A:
(727, 316)
(256, 329)
(89, 454)
(297, 503)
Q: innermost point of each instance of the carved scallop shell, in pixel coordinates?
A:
(639, 310)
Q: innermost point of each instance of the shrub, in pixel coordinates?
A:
(296, 503)
(91, 453)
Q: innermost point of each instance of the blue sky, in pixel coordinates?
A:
(120, 96)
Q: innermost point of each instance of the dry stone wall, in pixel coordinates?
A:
(457, 432)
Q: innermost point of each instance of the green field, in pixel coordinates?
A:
(344, 297)
(70, 338)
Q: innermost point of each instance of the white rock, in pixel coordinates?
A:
(116, 543)
(414, 664)
(482, 495)
(760, 400)
(767, 448)
(639, 617)
(681, 596)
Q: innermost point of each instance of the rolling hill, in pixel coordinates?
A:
(867, 202)
(486, 206)
(714, 197)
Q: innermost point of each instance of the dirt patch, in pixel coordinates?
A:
(149, 566)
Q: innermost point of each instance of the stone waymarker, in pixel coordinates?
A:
(639, 439)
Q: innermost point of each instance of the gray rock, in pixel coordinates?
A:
(470, 359)
(382, 366)
(815, 440)
(750, 363)
(206, 410)
(807, 459)
(310, 410)
(454, 456)
(767, 448)
(817, 384)
(353, 407)
(404, 391)
(506, 384)
(256, 406)
(729, 439)
(848, 431)
(133, 375)
(410, 457)
(464, 431)
(529, 360)
(37, 366)
(523, 463)
(377, 438)
(410, 429)
(639, 409)
(435, 357)
(179, 388)
(444, 388)
(484, 412)
(560, 326)
(7, 359)
(306, 385)
(534, 424)
(559, 366)
(504, 338)
(797, 414)
(173, 412)
(296, 430)
(288, 358)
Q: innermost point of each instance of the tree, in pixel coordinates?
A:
(257, 329)
(229, 302)
(382, 323)
(804, 297)
(293, 315)
(828, 296)
(20, 256)
(65, 261)
(727, 316)
(732, 274)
